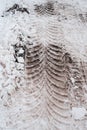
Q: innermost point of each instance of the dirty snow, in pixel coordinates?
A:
(74, 33)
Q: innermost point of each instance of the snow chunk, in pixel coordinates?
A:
(72, 80)
(85, 86)
(20, 59)
(78, 112)
(21, 51)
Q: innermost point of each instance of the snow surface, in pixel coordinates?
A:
(12, 84)
(73, 30)
(78, 113)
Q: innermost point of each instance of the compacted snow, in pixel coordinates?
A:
(24, 24)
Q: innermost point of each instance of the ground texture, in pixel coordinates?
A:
(43, 65)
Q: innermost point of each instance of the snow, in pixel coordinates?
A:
(78, 113)
(73, 32)
(72, 80)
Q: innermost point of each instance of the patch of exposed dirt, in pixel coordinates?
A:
(16, 8)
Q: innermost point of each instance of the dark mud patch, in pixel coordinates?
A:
(19, 51)
(15, 8)
(83, 17)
